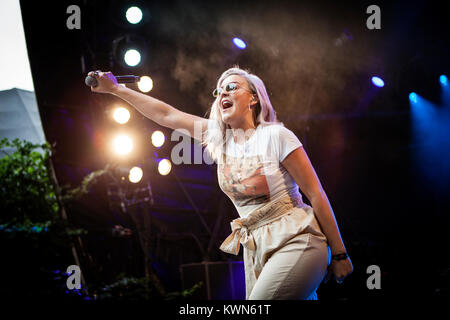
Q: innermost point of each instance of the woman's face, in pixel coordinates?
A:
(234, 104)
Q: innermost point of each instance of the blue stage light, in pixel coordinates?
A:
(378, 81)
(239, 43)
(413, 97)
(443, 79)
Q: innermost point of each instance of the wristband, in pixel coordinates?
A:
(340, 256)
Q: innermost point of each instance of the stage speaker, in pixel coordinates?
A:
(224, 280)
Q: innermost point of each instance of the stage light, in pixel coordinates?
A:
(443, 80)
(134, 15)
(164, 167)
(132, 57)
(135, 175)
(123, 144)
(145, 84)
(121, 115)
(413, 97)
(129, 50)
(158, 139)
(239, 43)
(378, 82)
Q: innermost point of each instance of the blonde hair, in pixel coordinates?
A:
(264, 114)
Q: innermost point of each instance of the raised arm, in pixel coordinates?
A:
(154, 109)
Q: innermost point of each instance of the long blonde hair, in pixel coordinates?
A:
(264, 114)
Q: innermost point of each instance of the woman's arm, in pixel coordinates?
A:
(154, 109)
(300, 168)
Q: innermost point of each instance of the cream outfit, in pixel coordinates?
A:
(285, 251)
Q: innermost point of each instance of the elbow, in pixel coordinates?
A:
(316, 196)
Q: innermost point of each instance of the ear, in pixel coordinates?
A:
(254, 100)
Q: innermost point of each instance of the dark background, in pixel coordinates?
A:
(388, 185)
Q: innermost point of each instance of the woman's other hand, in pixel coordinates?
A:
(339, 270)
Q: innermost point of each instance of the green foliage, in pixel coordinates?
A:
(29, 205)
(33, 236)
(27, 195)
(86, 184)
(185, 294)
(136, 289)
(36, 241)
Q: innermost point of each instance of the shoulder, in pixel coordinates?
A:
(277, 131)
(271, 128)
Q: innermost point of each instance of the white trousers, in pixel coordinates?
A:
(295, 271)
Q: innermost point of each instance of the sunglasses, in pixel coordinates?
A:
(228, 88)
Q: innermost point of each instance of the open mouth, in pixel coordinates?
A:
(226, 104)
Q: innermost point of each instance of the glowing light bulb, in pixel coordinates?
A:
(145, 84)
(378, 82)
(121, 115)
(123, 144)
(164, 167)
(158, 138)
(134, 15)
(239, 43)
(132, 57)
(135, 175)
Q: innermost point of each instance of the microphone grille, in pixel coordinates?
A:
(90, 81)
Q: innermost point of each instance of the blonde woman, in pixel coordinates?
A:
(289, 246)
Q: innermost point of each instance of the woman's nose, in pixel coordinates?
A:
(224, 94)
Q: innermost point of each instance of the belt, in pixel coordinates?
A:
(241, 228)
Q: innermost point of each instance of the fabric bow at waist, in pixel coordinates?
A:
(241, 228)
(239, 234)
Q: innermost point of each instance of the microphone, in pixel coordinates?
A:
(92, 82)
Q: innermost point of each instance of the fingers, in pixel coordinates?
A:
(330, 275)
(96, 74)
(339, 280)
(106, 82)
(99, 73)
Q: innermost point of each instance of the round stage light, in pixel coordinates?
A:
(413, 97)
(123, 144)
(135, 175)
(164, 167)
(239, 43)
(378, 82)
(132, 57)
(158, 138)
(443, 79)
(121, 115)
(145, 84)
(134, 15)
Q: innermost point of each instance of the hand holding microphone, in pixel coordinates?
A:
(106, 82)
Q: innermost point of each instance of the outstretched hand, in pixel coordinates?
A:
(107, 82)
(339, 270)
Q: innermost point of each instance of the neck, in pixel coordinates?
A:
(243, 131)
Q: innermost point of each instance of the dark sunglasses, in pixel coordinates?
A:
(228, 88)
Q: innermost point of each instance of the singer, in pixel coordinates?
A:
(289, 246)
